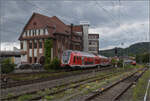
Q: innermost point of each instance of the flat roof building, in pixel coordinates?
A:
(93, 43)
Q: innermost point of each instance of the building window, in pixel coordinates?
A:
(39, 31)
(21, 45)
(35, 45)
(29, 32)
(74, 59)
(90, 42)
(40, 44)
(33, 32)
(44, 31)
(35, 59)
(25, 33)
(30, 45)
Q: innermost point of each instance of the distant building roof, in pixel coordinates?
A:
(9, 53)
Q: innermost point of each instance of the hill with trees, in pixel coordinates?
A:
(133, 50)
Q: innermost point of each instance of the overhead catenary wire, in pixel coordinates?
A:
(110, 15)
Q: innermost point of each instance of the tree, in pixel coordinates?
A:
(7, 66)
(144, 58)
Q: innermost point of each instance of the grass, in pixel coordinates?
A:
(140, 88)
(50, 74)
(24, 98)
(41, 75)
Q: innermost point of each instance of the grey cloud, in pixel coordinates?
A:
(100, 14)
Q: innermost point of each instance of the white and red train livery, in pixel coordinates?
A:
(83, 59)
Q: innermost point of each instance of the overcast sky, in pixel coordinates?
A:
(116, 22)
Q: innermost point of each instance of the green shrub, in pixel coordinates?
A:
(7, 66)
(114, 62)
(54, 64)
(120, 63)
(24, 98)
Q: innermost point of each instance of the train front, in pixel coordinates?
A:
(65, 60)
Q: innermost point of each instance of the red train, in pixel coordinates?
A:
(80, 59)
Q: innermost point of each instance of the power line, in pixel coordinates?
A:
(111, 16)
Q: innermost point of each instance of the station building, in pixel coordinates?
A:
(41, 27)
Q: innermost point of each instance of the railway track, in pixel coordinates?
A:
(76, 84)
(20, 83)
(117, 89)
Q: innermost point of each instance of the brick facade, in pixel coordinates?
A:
(39, 28)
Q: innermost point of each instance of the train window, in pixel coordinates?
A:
(74, 59)
(79, 58)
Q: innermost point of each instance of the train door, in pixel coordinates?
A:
(82, 60)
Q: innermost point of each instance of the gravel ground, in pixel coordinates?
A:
(42, 85)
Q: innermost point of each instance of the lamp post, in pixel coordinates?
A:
(122, 54)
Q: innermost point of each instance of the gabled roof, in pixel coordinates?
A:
(52, 23)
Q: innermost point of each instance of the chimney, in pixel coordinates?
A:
(71, 27)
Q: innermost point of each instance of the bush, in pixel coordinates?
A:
(120, 63)
(47, 66)
(54, 64)
(7, 66)
(113, 62)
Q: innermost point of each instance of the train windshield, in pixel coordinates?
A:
(66, 56)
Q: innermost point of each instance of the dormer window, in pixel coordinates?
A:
(25, 33)
(34, 32)
(39, 31)
(29, 32)
(44, 31)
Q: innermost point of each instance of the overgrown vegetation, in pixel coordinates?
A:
(120, 63)
(25, 98)
(140, 88)
(47, 48)
(54, 64)
(7, 66)
(114, 62)
(50, 64)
